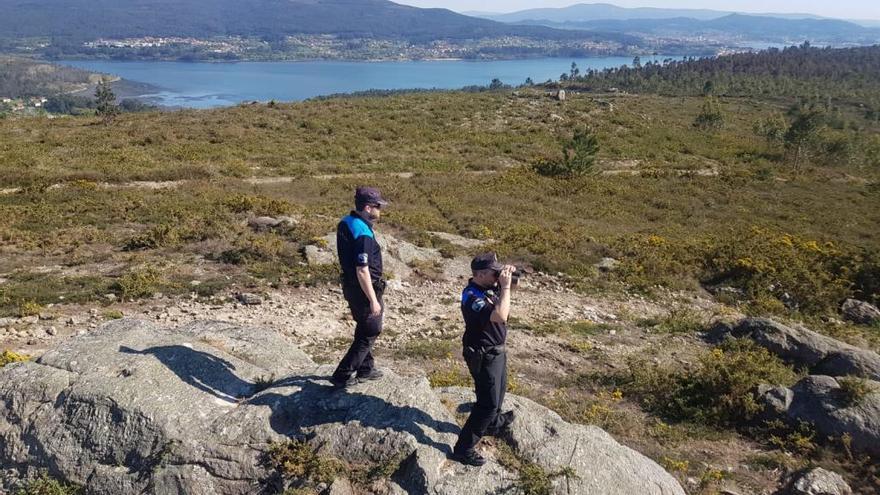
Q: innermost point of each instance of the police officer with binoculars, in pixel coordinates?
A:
(485, 306)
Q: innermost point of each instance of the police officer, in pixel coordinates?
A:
(360, 258)
(485, 305)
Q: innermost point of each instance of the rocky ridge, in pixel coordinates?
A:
(134, 407)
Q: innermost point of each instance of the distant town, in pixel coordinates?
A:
(23, 106)
(333, 47)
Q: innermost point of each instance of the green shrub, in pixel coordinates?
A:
(719, 390)
(297, 459)
(158, 236)
(8, 357)
(799, 439)
(803, 274)
(140, 281)
(453, 374)
(24, 292)
(312, 275)
(681, 320)
(532, 479)
(113, 314)
(265, 247)
(651, 260)
(710, 118)
(46, 485)
(866, 279)
(578, 157)
(29, 308)
(309, 472)
(853, 390)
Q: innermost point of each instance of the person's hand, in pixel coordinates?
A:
(506, 276)
(375, 309)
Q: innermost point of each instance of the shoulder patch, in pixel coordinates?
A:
(363, 258)
(478, 304)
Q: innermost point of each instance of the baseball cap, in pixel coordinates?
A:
(369, 195)
(486, 261)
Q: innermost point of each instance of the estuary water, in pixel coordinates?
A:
(206, 85)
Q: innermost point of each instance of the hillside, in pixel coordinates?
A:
(20, 78)
(603, 11)
(848, 74)
(632, 316)
(82, 20)
(733, 26)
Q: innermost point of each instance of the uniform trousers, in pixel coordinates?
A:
(488, 367)
(359, 358)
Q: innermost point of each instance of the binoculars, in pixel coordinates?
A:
(514, 277)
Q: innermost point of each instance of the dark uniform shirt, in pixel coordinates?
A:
(356, 246)
(476, 308)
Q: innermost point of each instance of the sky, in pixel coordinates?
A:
(842, 9)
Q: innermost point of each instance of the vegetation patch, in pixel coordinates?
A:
(795, 272)
(854, 390)
(141, 281)
(718, 391)
(298, 460)
(533, 479)
(452, 374)
(420, 349)
(305, 471)
(681, 321)
(8, 357)
(46, 485)
(26, 293)
(112, 314)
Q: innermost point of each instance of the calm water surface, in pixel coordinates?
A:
(205, 85)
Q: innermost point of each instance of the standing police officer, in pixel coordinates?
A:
(360, 258)
(485, 305)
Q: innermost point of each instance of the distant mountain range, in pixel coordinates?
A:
(734, 26)
(673, 23)
(603, 11)
(90, 19)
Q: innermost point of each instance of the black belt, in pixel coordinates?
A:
(487, 348)
(378, 285)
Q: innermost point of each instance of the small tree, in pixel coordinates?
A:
(772, 128)
(710, 117)
(802, 137)
(105, 101)
(708, 88)
(578, 156)
(496, 84)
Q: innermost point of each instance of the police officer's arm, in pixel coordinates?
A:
(363, 247)
(502, 309)
(366, 283)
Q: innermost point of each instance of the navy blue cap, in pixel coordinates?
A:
(369, 196)
(486, 261)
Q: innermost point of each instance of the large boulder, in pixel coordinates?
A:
(600, 464)
(860, 312)
(820, 400)
(316, 255)
(820, 481)
(325, 253)
(806, 348)
(135, 408)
